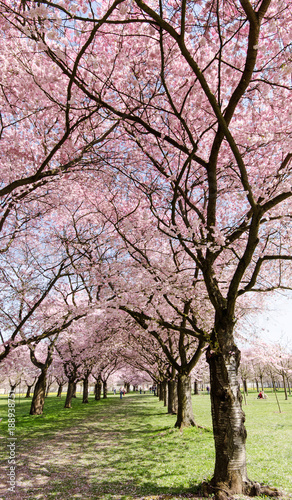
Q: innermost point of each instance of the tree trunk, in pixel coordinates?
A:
(104, 389)
(196, 388)
(160, 391)
(38, 399)
(185, 415)
(60, 388)
(70, 393)
(284, 385)
(228, 422)
(245, 386)
(97, 390)
(257, 384)
(49, 385)
(29, 387)
(275, 391)
(165, 392)
(127, 387)
(85, 390)
(74, 390)
(12, 390)
(172, 397)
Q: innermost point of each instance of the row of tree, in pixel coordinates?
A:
(66, 361)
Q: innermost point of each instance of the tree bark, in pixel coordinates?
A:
(70, 393)
(74, 390)
(97, 390)
(172, 397)
(245, 386)
(160, 391)
(60, 388)
(104, 389)
(38, 399)
(29, 387)
(49, 385)
(165, 392)
(228, 422)
(196, 388)
(85, 390)
(185, 415)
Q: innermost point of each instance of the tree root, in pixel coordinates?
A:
(254, 489)
(251, 489)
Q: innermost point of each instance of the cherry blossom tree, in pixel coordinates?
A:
(31, 308)
(46, 132)
(199, 91)
(41, 356)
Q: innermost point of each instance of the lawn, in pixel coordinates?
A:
(123, 449)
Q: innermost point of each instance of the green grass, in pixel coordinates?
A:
(119, 450)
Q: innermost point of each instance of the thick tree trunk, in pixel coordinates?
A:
(160, 391)
(60, 388)
(196, 388)
(172, 397)
(185, 415)
(70, 393)
(228, 423)
(38, 399)
(29, 387)
(85, 390)
(104, 389)
(97, 390)
(127, 387)
(165, 392)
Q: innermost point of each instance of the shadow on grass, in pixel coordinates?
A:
(67, 484)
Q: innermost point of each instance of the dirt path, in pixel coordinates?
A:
(66, 460)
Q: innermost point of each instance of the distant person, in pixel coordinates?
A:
(121, 393)
(260, 395)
